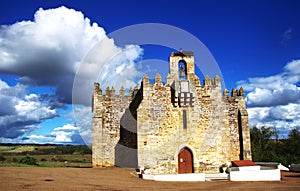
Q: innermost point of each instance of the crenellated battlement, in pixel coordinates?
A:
(207, 82)
(234, 93)
(111, 92)
(158, 81)
(216, 81)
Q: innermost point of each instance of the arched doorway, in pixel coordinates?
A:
(185, 161)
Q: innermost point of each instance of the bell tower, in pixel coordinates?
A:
(181, 66)
(181, 73)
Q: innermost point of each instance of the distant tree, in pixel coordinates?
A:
(262, 147)
(293, 140)
(266, 149)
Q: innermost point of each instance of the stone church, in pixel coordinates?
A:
(181, 126)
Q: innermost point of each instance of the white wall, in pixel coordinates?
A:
(245, 168)
(255, 175)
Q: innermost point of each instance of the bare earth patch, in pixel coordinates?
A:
(33, 178)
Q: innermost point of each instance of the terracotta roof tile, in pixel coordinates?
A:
(238, 163)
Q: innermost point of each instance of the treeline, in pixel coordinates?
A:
(53, 150)
(65, 150)
(266, 147)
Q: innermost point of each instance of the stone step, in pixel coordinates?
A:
(190, 177)
(215, 177)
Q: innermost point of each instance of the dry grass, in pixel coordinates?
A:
(13, 154)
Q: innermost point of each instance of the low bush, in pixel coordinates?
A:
(43, 159)
(53, 159)
(62, 159)
(28, 160)
(2, 158)
(15, 160)
(77, 161)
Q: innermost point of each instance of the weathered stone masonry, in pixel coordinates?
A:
(157, 125)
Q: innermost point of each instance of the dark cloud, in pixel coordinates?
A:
(6, 106)
(52, 101)
(17, 129)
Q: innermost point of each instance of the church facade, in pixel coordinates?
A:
(181, 126)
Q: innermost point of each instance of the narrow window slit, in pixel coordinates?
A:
(184, 119)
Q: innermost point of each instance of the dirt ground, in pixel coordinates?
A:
(30, 178)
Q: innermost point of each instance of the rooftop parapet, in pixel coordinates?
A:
(122, 91)
(234, 92)
(111, 91)
(216, 81)
(97, 88)
(146, 80)
(157, 79)
(183, 53)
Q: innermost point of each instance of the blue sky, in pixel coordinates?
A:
(256, 44)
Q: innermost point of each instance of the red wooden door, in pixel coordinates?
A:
(185, 161)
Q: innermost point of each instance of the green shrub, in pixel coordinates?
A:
(15, 160)
(43, 159)
(2, 158)
(53, 159)
(76, 161)
(28, 160)
(62, 159)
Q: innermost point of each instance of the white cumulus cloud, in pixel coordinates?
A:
(48, 51)
(67, 127)
(275, 100)
(67, 134)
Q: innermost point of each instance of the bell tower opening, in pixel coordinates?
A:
(182, 70)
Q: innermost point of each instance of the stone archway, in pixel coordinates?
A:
(185, 161)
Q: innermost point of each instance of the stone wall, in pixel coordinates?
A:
(108, 110)
(212, 132)
(161, 134)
